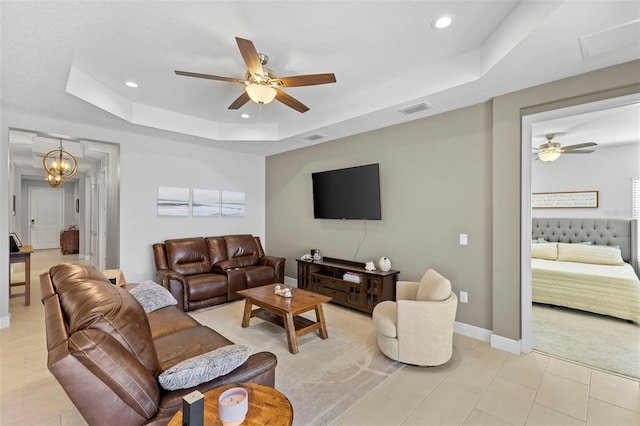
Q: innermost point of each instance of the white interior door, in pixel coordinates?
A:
(46, 216)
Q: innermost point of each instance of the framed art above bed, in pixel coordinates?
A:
(565, 200)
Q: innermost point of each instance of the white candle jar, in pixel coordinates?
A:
(233, 405)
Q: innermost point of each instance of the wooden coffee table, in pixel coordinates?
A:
(285, 311)
(267, 406)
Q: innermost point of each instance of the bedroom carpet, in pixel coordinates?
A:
(594, 340)
(327, 376)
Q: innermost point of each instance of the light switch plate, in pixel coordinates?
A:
(463, 239)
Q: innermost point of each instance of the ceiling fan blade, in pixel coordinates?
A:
(307, 80)
(240, 101)
(578, 146)
(210, 77)
(250, 56)
(291, 102)
(586, 151)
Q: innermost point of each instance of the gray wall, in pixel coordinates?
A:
(457, 172)
(432, 176)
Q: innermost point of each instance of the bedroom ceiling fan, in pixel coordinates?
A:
(261, 84)
(551, 151)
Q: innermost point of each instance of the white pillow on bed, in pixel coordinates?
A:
(547, 251)
(600, 255)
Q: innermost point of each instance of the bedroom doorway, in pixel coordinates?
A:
(545, 328)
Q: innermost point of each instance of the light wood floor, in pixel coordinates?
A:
(481, 386)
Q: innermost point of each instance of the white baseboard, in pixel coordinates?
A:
(5, 321)
(505, 344)
(498, 342)
(472, 331)
(291, 282)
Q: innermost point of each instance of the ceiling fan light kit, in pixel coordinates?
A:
(260, 93)
(261, 84)
(551, 151)
(59, 165)
(549, 156)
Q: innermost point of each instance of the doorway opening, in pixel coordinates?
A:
(88, 202)
(535, 123)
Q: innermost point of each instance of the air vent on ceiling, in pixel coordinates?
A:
(315, 137)
(415, 108)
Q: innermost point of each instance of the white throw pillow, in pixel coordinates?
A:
(599, 255)
(152, 296)
(547, 251)
(202, 368)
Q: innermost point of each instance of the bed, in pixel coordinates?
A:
(586, 264)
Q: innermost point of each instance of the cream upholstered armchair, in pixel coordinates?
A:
(418, 327)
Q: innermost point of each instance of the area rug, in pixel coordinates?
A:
(325, 377)
(594, 340)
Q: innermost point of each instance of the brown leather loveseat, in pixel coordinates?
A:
(206, 271)
(108, 354)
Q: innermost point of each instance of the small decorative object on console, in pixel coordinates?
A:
(384, 264)
(282, 290)
(233, 406)
(316, 255)
(370, 266)
(306, 257)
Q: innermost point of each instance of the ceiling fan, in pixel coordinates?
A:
(261, 84)
(551, 151)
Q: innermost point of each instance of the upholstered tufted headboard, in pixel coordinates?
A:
(605, 232)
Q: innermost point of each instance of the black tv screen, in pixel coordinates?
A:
(351, 193)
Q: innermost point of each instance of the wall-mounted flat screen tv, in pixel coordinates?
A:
(351, 193)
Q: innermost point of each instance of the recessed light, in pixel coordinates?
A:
(245, 115)
(442, 22)
(131, 84)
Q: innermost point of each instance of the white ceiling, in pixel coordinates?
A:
(68, 60)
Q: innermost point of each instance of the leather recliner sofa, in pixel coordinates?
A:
(107, 353)
(206, 271)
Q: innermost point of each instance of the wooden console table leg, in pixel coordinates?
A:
(290, 328)
(323, 325)
(246, 317)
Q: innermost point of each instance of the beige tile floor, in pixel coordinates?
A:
(479, 386)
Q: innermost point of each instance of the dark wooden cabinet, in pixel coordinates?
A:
(328, 277)
(70, 241)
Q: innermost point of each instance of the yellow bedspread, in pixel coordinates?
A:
(602, 289)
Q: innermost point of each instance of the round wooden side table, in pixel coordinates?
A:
(266, 406)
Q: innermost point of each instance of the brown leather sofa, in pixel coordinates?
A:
(206, 271)
(107, 353)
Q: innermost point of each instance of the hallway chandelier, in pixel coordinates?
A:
(59, 165)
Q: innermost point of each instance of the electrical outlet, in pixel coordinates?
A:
(464, 297)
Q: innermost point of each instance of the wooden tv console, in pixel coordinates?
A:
(326, 277)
